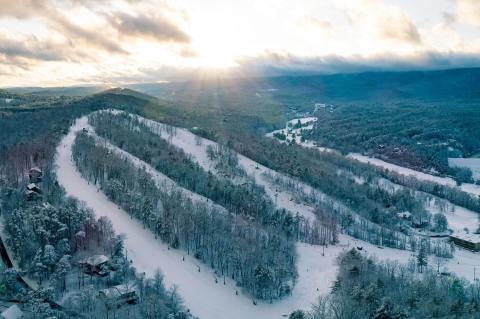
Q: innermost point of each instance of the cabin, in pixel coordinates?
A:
(96, 264)
(35, 175)
(12, 312)
(466, 240)
(116, 296)
(33, 192)
(34, 188)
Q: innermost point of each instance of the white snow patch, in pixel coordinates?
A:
(201, 294)
(472, 163)
(466, 187)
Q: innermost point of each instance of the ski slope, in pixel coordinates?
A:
(462, 264)
(204, 297)
(447, 181)
(199, 290)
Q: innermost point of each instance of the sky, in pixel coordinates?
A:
(76, 42)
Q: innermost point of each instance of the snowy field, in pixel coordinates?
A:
(458, 219)
(472, 163)
(289, 131)
(204, 297)
(466, 187)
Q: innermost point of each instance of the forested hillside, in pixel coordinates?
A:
(249, 228)
(416, 119)
(41, 232)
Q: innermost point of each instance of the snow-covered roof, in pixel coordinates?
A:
(405, 214)
(80, 233)
(31, 186)
(12, 312)
(472, 238)
(97, 260)
(117, 291)
(35, 169)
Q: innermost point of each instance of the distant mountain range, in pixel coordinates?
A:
(453, 83)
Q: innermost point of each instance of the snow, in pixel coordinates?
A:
(461, 218)
(472, 163)
(288, 131)
(302, 120)
(458, 219)
(188, 141)
(161, 180)
(466, 187)
(201, 294)
(3, 234)
(204, 297)
(13, 312)
(474, 238)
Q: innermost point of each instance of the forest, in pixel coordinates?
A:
(253, 243)
(41, 232)
(366, 288)
(259, 259)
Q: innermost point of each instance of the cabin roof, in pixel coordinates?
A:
(472, 238)
(117, 291)
(96, 260)
(35, 169)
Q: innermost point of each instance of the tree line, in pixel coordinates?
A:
(259, 258)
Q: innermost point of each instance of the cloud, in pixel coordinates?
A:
(310, 20)
(402, 29)
(31, 48)
(45, 11)
(271, 63)
(21, 9)
(468, 11)
(387, 22)
(118, 25)
(155, 27)
(78, 35)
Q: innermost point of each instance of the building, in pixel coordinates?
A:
(12, 312)
(96, 264)
(35, 174)
(117, 296)
(34, 188)
(468, 241)
(33, 192)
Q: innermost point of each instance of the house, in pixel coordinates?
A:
(96, 264)
(35, 175)
(466, 240)
(12, 312)
(34, 188)
(116, 296)
(33, 192)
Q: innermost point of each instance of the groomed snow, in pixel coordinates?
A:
(161, 180)
(204, 297)
(472, 163)
(466, 187)
(197, 148)
(462, 264)
(201, 294)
